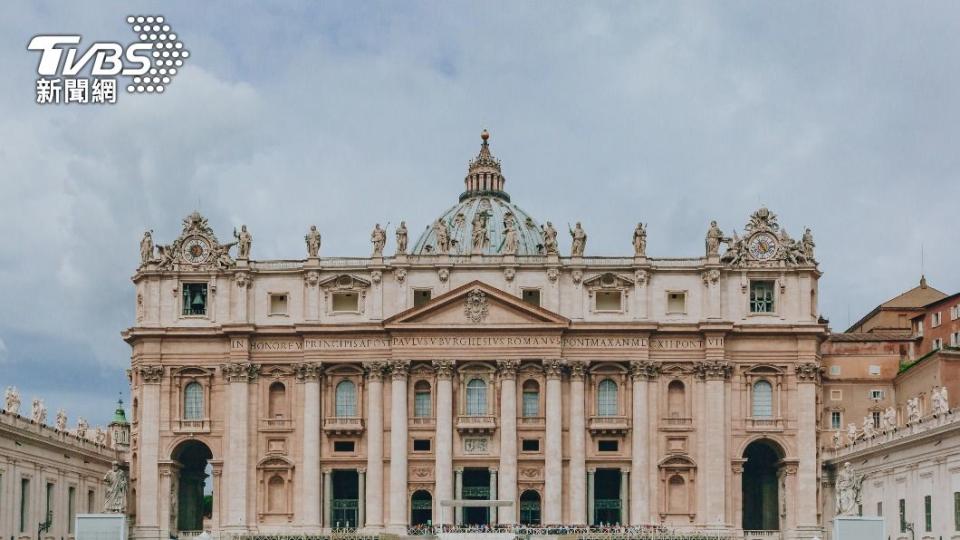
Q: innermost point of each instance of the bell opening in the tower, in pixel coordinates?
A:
(760, 486)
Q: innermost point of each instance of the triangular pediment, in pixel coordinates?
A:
(477, 304)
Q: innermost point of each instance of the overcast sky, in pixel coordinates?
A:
(838, 116)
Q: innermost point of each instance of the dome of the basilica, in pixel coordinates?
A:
(479, 224)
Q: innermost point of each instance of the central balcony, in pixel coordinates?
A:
(599, 425)
(764, 424)
(192, 426)
(422, 422)
(476, 424)
(343, 425)
(276, 424)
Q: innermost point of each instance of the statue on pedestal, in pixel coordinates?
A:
(889, 420)
(868, 427)
(402, 238)
(115, 500)
(807, 245)
(244, 241)
(479, 237)
(940, 403)
(914, 414)
(640, 240)
(550, 239)
(848, 491)
(511, 240)
(579, 241)
(713, 239)
(146, 248)
(12, 400)
(379, 239)
(443, 236)
(851, 433)
(837, 440)
(82, 427)
(61, 420)
(39, 412)
(313, 242)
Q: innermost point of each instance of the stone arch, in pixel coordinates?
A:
(760, 484)
(192, 484)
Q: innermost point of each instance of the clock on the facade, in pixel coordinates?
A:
(762, 246)
(196, 250)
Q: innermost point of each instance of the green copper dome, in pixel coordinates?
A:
(484, 205)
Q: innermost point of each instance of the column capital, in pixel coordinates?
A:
(151, 374)
(308, 371)
(578, 370)
(443, 369)
(399, 370)
(240, 371)
(374, 370)
(361, 470)
(736, 465)
(809, 372)
(713, 370)
(458, 470)
(591, 470)
(508, 368)
(553, 368)
(644, 369)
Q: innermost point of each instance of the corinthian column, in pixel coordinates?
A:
(309, 375)
(148, 502)
(641, 370)
(553, 464)
(239, 375)
(808, 377)
(374, 489)
(508, 439)
(715, 373)
(398, 448)
(578, 447)
(443, 467)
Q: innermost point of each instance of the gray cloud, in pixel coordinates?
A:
(838, 117)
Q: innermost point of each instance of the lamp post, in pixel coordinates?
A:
(44, 526)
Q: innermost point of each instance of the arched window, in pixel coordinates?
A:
(346, 396)
(676, 403)
(193, 402)
(677, 495)
(530, 508)
(607, 398)
(762, 400)
(276, 495)
(531, 399)
(421, 400)
(476, 397)
(278, 400)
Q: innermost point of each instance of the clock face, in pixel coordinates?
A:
(196, 250)
(762, 246)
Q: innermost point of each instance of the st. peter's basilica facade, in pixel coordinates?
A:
(477, 363)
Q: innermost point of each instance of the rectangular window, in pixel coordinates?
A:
(834, 370)
(421, 445)
(421, 404)
(927, 514)
(346, 302)
(761, 297)
(530, 445)
(608, 301)
(879, 508)
(876, 419)
(49, 514)
(677, 302)
(343, 446)
(836, 395)
(936, 319)
(956, 510)
(836, 420)
(24, 504)
(955, 313)
(937, 344)
(71, 508)
(532, 296)
(194, 299)
(608, 446)
(903, 515)
(421, 296)
(955, 339)
(278, 304)
(876, 395)
(91, 501)
(874, 369)
(531, 404)
(920, 327)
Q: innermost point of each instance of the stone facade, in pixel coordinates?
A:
(50, 471)
(362, 392)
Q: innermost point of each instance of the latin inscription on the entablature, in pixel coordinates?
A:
(469, 342)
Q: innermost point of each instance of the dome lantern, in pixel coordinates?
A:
(484, 176)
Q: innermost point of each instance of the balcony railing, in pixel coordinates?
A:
(345, 425)
(764, 424)
(476, 424)
(677, 422)
(276, 424)
(192, 426)
(608, 424)
(532, 420)
(932, 422)
(422, 421)
(761, 535)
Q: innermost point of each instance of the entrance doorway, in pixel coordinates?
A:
(530, 508)
(421, 508)
(346, 496)
(606, 496)
(761, 487)
(194, 493)
(476, 487)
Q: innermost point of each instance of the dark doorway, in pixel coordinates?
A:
(421, 508)
(476, 486)
(530, 508)
(760, 487)
(346, 496)
(606, 496)
(193, 485)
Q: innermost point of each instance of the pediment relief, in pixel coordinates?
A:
(677, 462)
(191, 371)
(477, 304)
(607, 367)
(275, 462)
(763, 369)
(343, 369)
(676, 369)
(608, 280)
(276, 372)
(344, 282)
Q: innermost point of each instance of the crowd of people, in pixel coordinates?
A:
(594, 532)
